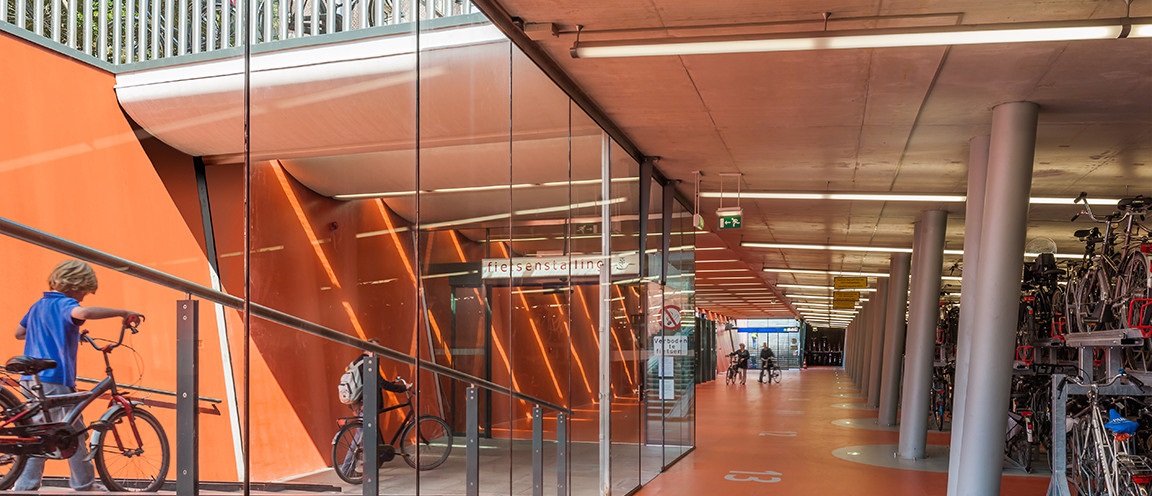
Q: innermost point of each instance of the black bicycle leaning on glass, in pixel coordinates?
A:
(428, 434)
(128, 444)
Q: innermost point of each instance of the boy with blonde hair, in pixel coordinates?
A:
(51, 329)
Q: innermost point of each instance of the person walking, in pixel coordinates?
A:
(51, 329)
(767, 360)
(742, 357)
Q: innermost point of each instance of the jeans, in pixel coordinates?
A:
(83, 475)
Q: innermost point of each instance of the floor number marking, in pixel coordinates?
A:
(742, 476)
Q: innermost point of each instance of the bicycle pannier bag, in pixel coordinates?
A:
(351, 386)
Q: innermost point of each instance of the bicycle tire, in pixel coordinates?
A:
(774, 375)
(1132, 284)
(139, 461)
(12, 465)
(1092, 290)
(348, 452)
(432, 436)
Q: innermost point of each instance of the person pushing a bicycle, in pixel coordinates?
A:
(397, 386)
(51, 330)
(767, 356)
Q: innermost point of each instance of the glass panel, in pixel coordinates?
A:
(680, 397)
(654, 367)
(541, 350)
(628, 303)
(333, 180)
(464, 179)
(585, 139)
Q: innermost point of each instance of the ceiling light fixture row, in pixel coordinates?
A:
(1022, 32)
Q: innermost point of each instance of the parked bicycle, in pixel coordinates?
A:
(942, 394)
(424, 442)
(1103, 288)
(1102, 459)
(129, 445)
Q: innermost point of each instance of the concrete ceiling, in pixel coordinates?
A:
(862, 120)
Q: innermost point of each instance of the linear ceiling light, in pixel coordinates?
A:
(892, 197)
(825, 272)
(810, 286)
(875, 38)
(795, 246)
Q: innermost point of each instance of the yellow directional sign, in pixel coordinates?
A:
(846, 296)
(843, 305)
(850, 282)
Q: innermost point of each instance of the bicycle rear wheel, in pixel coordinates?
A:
(132, 455)
(1091, 293)
(774, 375)
(348, 452)
(10, 465)
(430, 435)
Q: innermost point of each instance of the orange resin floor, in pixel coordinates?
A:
(778, 439)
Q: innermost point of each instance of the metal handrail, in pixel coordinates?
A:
(129, 31)
(71, 248)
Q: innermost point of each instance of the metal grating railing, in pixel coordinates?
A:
(129, 31)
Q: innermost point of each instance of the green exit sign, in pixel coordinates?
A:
(730, 222)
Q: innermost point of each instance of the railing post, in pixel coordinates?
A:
(537, 451)
(187, 397)
(561, 454)
(472, 439)
(371, 432)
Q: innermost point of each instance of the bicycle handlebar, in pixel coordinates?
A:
(110, 346)
(1077, 381)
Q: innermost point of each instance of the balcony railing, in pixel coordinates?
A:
(129, 31)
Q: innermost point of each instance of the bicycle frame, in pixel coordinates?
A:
(409, 417)
(12, 435)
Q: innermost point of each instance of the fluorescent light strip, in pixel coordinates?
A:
(825, 272)
(808, 286)
(791, 246)
(477, 189)
(876, 249)
(892, 197)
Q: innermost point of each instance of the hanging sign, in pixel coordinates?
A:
(584, 265)
(731, 218)
(843, 305)
(846, 296)
(850, 282)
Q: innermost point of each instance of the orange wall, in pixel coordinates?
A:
(72, 166)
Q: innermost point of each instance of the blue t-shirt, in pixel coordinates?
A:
(53, 333)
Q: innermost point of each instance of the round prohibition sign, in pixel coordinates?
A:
(671, 316)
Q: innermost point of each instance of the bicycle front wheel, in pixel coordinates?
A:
(133, 455)
(432, 437)
(10, 465)
(348, 453)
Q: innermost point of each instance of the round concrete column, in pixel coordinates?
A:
(997, 293)
(973, 211)
(879, 304)
(923, 316)
(894, 331)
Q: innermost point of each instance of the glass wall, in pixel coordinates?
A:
(419, 184)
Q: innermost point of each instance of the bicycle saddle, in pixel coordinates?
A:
(1120, 425)
(1137, 203)
(26, 365)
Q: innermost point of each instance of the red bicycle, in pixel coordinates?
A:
(128, 444)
